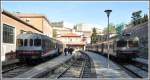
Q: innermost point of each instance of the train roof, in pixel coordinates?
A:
(36, 36)
(128, 39)
(28, 35)
(32, 36)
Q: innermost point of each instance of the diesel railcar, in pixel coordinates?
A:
(33, 46)
(121, 48)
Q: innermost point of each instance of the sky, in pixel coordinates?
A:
(73, 12)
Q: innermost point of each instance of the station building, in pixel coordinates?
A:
(71, 37)
(14, 24)
(39, 21)
(73, 40)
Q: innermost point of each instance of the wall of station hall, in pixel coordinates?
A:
(11, 26)
(40, 22)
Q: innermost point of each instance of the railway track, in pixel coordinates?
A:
(134, 68)
(138, 72)
(79, 67)
(13, 70)
(10, 67)
(141, 65)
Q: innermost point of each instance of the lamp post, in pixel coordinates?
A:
(108, 13)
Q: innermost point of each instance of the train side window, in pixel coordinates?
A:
(25, 42)
(43, 43)
(19, 42)
(133, 43)
(37, 42)
(113, 46)
(31, 42)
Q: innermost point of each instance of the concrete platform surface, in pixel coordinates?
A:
(45, 67)
(102, 71)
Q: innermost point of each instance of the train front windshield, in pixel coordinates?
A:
(133, 43)
(121, 43)
(28, 42)
(19, 42)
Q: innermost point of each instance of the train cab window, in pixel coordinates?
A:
(19, 42)
(31, 42)
(121, 43)
(133, 43)
(25, 42)
(37, 42)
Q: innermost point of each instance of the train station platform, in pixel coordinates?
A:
(45, 67)
(101, 69)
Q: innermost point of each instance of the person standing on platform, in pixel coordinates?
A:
(68, 50)
(65, 51)
(71, 50)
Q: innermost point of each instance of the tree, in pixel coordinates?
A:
(136, 17)
(145, 18)
(93, 37)
(111, 29)
(54, 33)
(119, 29)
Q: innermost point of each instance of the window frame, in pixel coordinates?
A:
(25, 42)
(31, 40)
(8, 34)
(36, 43)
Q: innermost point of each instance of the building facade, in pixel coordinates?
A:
(59, 29)
(83, 27)
(38, 21)
(57, 24)
(86, 35)
(87, 30)
(73, 40)
(11, 26)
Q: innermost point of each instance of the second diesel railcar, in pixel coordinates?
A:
(121, 48)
